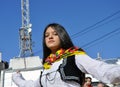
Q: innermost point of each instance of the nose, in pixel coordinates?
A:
(50, 36)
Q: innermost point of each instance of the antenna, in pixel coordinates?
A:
(98, 56)
(25, 31)
(0, 57)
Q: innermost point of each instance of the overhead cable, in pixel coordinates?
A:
(88, 28)
(91, 42)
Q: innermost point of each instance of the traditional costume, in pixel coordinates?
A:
(66, 69)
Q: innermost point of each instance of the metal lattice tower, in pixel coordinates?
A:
(25, 31)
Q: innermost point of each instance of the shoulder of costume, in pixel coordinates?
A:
(79, 51)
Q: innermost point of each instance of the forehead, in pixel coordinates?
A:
(100, 84)
(88, 79)
(50, 29)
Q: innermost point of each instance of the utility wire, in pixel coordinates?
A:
(103, 40)
(82, 31)
(100, 25)
(89, 43)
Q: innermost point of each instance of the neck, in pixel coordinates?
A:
(53, 51)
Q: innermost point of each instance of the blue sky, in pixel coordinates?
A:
(92, 24)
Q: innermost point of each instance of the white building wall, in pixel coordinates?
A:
(28, 74)
(30, 67)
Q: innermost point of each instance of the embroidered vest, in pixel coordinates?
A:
(70, 72)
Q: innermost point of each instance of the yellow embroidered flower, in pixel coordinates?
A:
(46, 66)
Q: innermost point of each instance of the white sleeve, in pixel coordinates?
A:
(21, 82)
(107, 73)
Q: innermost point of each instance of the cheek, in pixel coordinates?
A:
(58, 41)
(46, 40)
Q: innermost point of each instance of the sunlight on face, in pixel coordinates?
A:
(52, 39)
(100, 85)
(88, 81)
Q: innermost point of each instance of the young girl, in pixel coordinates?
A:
(65, 64)
(88, 82)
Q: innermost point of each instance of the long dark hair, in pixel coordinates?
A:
(65, 39)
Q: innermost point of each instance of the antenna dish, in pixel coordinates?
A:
(30, 25)
(29, 30)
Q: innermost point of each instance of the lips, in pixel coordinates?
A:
(51, 41)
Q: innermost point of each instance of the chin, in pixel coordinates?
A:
(53, 47)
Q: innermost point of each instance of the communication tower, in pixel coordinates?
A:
(25, 31)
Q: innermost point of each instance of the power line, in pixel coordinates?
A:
(103, 40)
(88, 28)
(89, 43)
(100, 25)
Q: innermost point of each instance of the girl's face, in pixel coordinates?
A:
(100, 85)
(52, 39)
(88, 81)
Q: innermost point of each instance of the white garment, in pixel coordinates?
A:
(21, 82)
(107, 73)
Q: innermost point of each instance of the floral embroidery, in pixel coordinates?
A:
(61, 54)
